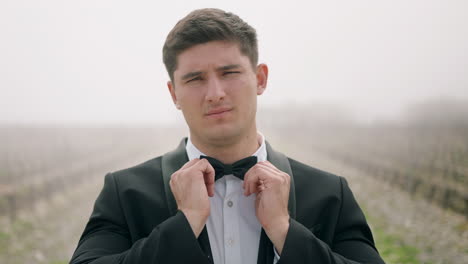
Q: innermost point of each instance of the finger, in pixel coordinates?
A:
(257, 201)
(251, 180)
(259, 181)
(261, 186)
(208, 176)
(257, 187)
(189, 164)
(267, 165)
(203, 166)
(274, 176)
(209, 182)
(275, 172)
(247, 176)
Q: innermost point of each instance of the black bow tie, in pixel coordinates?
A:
(238, 168)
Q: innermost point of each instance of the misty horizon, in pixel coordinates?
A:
(442, 111)
(100, 61)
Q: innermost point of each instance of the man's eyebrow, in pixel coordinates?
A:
(229, 67)
(190, 75)
(222, 68)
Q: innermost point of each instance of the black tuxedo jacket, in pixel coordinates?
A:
(135, 219)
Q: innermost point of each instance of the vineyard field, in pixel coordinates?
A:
(50, 176)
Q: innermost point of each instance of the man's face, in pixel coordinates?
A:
(216, 88)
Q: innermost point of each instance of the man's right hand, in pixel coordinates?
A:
(191, 186)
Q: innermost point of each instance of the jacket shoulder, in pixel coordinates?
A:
(304, 173)
(140, 172)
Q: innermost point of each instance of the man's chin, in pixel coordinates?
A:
(222, 134)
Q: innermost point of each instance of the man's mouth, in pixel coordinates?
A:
(217, 112)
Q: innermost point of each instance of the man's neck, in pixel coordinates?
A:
(229, 151)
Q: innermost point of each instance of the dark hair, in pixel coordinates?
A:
(205, 25)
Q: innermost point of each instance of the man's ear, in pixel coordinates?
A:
(171, 88)
(262, 78)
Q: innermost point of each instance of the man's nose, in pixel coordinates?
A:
(215, 90)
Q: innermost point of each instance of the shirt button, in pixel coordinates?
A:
(230, 203)
(230, 241)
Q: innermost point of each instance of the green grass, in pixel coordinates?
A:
(22, 227)
(4, 240)
(393, 250)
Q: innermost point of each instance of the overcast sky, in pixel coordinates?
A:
(100, 61)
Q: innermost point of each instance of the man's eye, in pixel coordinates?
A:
(194, 79)
(230, 72)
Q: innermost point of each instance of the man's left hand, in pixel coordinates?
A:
(271, 205)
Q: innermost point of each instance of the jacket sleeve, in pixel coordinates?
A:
(106, 238)
(352, 243)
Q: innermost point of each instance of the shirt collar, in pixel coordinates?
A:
(261, 153)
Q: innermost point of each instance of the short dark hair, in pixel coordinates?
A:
(205, 25)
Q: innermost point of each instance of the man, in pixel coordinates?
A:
(188, 206)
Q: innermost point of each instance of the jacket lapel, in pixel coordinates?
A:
(282, 163)
(171, 162)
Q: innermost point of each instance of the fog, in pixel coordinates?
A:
(100, 61)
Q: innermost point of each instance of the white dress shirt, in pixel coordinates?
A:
(233, 228)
